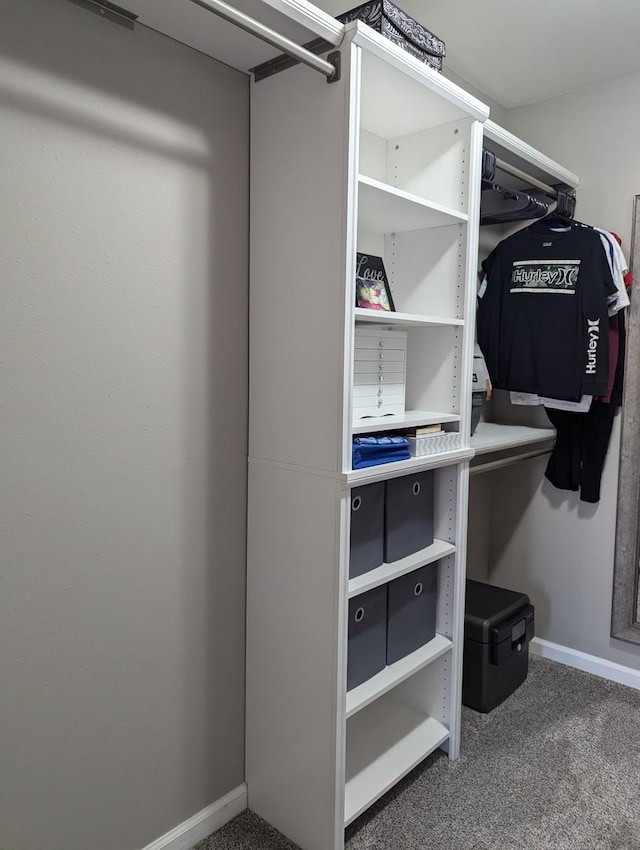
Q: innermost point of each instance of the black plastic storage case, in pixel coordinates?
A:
(498, 626)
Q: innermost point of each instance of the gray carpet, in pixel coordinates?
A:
(556, 767)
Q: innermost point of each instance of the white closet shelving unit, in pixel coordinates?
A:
(517, 430)
(385, 161)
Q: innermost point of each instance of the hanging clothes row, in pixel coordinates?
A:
(551, 328)
(501, 204)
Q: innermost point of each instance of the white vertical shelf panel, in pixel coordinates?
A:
(301, 195)
(459, 589)
(429, 692)
(425, 271)
(351, 230)
(295, 671)
(474, 177)
(432, 163)
(445, 619)
(446, 505)
(434, 358)
(373, 156)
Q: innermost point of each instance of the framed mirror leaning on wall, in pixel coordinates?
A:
(625, 613)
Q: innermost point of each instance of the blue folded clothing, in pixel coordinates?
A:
(370, 451)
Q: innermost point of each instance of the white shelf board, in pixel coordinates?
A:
(384, 209)
(394, 674)
(387, 572)
(383, 471)
(517, 152)
(201, 29)
(385, 742)
(491, 437)
(408, 320)
(396, 421)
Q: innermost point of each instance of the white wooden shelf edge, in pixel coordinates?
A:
(492, 437)
(384, 743)
(385, 317)
(397, 421)
(394, 674)
(386, 209)
(311, 17)
(406, 467)
(387, 572)
(422, 73)
(517, 146)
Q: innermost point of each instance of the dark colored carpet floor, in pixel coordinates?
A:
(555, 767)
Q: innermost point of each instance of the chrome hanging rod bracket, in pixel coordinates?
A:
(329, 67)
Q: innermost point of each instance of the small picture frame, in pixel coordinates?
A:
(372, 285)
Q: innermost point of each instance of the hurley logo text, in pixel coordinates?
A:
(545, 276)
(593, 334)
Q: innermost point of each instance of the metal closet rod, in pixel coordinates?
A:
(507, 461)
(522, 175)
(250, 25)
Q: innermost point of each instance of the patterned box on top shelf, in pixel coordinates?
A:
(389, 20)
(379, 372)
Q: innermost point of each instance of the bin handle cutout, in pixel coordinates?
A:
(416, 488)
(359, 615)
(417, 590)
(356, 503)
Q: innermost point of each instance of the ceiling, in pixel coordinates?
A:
(519, 51)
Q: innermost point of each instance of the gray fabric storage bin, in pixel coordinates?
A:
(366, 547)
(411, 606)
(367, 642)
(408, 515)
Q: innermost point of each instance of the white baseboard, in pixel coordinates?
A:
(187, 834)
(589, 663)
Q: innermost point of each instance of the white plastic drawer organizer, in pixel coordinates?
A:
(379, 372)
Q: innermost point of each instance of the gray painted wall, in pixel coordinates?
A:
(123, 416)
(544, 541)
(498, 112)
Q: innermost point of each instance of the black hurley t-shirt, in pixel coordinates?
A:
(543, 320)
